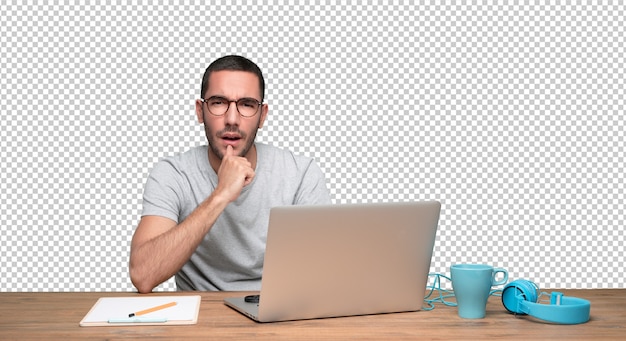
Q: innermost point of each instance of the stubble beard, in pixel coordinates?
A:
(213, 137)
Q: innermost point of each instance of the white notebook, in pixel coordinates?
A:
(115, 311)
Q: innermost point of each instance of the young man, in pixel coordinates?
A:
(205, 212)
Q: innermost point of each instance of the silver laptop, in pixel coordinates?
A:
(343, 260)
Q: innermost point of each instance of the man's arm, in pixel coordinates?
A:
(160, 247)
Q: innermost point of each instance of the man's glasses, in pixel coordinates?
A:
(218, 106)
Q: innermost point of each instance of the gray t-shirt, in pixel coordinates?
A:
(231, 255)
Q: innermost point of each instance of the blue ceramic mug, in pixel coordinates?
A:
(471, 284)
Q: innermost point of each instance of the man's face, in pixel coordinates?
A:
(231, 128)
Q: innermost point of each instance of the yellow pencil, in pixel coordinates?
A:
(149, 310)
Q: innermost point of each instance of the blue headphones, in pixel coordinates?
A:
(520, 297)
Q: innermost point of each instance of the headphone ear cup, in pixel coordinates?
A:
(516, 292)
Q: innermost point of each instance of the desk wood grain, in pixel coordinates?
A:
(56, 316)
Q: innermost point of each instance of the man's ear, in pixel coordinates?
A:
(264, 111)
(199, 111)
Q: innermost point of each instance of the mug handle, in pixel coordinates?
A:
(504, 279)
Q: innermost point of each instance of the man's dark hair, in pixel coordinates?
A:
(233, 63)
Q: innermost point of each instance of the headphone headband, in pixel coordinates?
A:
(520, 296)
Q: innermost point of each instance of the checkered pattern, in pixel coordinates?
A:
(510, 115)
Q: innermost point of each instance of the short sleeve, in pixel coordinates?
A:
(312, 189)
(161, 195)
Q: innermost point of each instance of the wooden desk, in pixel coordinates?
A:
(56, 316)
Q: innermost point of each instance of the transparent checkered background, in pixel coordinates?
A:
(511, 115)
